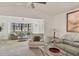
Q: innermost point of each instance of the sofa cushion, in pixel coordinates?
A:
(67, 37)
(35, 44)
(58, 40)
(76, 39)
(36, 38)
(68, 42)
(60, 45)
(72, 50)
(75, 44)
(69, 48)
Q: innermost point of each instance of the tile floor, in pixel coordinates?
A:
(15, 48)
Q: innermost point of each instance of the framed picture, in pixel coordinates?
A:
(73, 21)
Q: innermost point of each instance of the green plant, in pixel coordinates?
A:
(28, 33)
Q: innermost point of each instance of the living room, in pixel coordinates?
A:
(39, 29)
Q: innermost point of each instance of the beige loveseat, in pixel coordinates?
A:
(35, 44)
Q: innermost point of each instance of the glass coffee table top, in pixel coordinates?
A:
(48, 51)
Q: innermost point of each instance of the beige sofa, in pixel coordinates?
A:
(68, 44)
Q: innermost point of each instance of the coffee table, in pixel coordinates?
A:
(46, 52)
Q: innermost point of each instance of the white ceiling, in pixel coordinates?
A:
(23, 9)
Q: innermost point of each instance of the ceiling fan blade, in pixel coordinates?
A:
(41, 2)
(33, 6)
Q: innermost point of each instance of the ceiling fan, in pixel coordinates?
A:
(33, 6)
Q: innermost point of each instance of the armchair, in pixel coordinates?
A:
(36, 42)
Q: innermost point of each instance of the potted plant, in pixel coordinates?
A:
(28, 34)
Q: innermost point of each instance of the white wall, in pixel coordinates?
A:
(49, 24)
(60, 24)
(5, 22)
